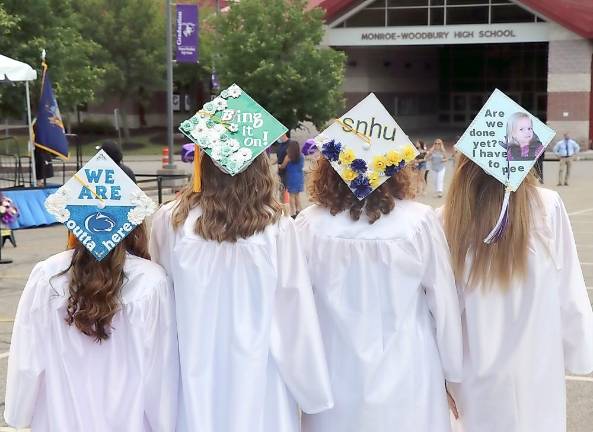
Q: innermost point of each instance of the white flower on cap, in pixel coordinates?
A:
(234, 91)
(216, 153)
(199, 129)
(234, 144)
(56, 205)
(245, 154)
(219, 103)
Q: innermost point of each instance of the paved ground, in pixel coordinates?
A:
(37, 244)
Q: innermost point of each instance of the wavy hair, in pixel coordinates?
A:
(232, 207)
(472, 208)
(327, 189)
(95, 286)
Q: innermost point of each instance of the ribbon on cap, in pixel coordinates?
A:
(215, 119)
(86, 185)
(503, 219)
(360, 135)
(197, 177)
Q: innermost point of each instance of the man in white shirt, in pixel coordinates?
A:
(565, 149)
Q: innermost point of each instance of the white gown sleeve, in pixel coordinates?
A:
(25, 367)
(296, 344)
(161, 381)
(161, 233)
(443, 301)
(576, 314)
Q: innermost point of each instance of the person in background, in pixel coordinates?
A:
(437, 160)
(117, 156)
(420, 167)
(293, 166)
(527, 319)
(280, 155)
(565, 149)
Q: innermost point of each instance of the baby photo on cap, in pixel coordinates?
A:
(100, 205)
(366, 146)
(505, 139)
(233, 129)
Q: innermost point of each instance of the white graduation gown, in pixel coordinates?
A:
(62, 380)
(518, 343)
(249, 339)
(389, 315)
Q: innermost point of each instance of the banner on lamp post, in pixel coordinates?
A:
(187, 33)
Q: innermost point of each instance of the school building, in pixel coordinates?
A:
(433, 63)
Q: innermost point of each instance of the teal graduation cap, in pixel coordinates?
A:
(100, 205)
(233, 129)
(505, 140)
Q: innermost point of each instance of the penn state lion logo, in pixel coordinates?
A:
(99, 222)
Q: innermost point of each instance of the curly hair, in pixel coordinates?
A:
(95, 286)
(327, 189)
(232, 207)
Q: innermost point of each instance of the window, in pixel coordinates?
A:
(510, 14)
(467, 15)
(407, 17)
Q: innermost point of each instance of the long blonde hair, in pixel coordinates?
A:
(472, 208)
(232, 207)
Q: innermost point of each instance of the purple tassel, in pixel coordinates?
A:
(503, 221)
(187, 152)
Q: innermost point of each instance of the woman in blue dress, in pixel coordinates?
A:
(293, 165)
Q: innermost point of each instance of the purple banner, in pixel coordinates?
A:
(187, 33)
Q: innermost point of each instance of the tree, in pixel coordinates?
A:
(271, 49)
(132, 35)
(27, 27)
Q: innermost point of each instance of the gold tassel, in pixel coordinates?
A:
(197, 169)
(72, 241)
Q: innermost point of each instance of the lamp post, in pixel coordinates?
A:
(169, 54)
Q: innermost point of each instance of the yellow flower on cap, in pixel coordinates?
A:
(348, 174)
(394, 157)
(347, 156)
(379, 163)
(409, 153)
(374, 179)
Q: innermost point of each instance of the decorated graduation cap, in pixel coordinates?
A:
(100, 205)
(366, 146)
(505, 140)
(233, 129)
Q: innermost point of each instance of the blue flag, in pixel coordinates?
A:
(49, 128)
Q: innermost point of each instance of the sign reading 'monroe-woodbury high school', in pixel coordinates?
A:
(422, 35)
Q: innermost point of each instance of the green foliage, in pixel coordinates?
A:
(132, 35)
(27, 27)
(271, 49)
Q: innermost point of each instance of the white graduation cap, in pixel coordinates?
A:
(505, 140)
(366, 146)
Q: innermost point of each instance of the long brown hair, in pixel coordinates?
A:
(95, 286)
(232, 207)
(327, 189)
(293, 151)
(472, 208)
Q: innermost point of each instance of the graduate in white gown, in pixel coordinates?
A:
(250, 346)
(383, 285)
(526, 315)
(94, 343)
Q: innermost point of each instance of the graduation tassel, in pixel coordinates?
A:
(503, 220)
(72, 241)
(197, 169)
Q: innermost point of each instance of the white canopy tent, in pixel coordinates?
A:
(16, 71)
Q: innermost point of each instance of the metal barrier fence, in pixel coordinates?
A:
(162, 181)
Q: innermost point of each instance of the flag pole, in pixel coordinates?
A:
(169, 54)
(31, 145)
